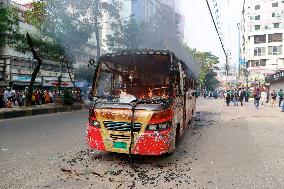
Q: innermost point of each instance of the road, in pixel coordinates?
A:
(225, 147)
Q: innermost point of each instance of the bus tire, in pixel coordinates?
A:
(177, 134)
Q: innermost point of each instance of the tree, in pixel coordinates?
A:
(85, 73)
(125, 36)
(73, 23)
(208, 62)
(9, 26)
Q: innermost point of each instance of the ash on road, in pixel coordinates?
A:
(225, 147)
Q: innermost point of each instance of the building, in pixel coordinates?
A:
(16, 68)
(145, 10)
(277, 81)
(262, 31)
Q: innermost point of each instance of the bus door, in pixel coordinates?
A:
(184, 95)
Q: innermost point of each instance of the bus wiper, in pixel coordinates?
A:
(108, 98)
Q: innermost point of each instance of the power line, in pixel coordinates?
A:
(220, 39)
(215, 26)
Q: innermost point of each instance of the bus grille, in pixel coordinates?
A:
(122, 126)
(120, 137)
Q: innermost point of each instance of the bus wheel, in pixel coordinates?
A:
(177, 134)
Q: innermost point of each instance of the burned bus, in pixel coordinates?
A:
(143, 102)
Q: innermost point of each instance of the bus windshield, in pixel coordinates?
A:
(133, 77)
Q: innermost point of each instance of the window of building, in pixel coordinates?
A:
(259, 51)
(257, 17)
(276, 25)
(257, 63)
(257, 7)
(248, 64)
(276, 37)
(273, 14)
(275, 50)
(275, 4)
(259, 39)
(151, 8)
(262, 62)
(256, 27)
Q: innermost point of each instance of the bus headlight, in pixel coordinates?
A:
(159, 127)
(94, 123)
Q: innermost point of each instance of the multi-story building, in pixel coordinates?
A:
(16, 68)
(262, 31)
(145, 10)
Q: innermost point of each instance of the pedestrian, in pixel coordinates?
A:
(242, 96)
(228, 97)
(247, 94)
(236, 97)
(282, 107)
(263, 95)
(47, 97)
(267, 96)
(2, 101)
(7, 93)
(34, 98)
(273, 98)
(257, 97)
(37, 98)
(9, 103)
(280, 94)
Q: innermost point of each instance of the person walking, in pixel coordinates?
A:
(257, 97)
(47, 97)
(247, 94)
(2, 101)
(280, 94)
(242, 96)
(263, 95)
(228, 97)
(236, 97)
(273, 98)
(267, 96)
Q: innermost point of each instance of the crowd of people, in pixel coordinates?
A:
(261, 97)
(16, 98)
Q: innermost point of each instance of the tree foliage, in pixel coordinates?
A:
(9, 26)
(125, 36)
(74, 23)
(208, 62)
(84, 73)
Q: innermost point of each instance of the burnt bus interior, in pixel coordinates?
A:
(143, 76)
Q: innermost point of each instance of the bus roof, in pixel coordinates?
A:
(149, 52)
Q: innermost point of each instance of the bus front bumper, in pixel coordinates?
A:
(148, 143)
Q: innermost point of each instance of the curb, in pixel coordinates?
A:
(40, 111)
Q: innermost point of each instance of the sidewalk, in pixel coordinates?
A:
(8, 113)
(249, 110)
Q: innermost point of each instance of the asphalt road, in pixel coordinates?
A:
(225, 147)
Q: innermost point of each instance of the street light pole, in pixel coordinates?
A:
(239, 48)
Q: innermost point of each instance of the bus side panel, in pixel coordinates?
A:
(178, 104)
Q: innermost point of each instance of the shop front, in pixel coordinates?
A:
(20, 82)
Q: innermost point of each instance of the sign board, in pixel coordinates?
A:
(47, 83)
(242, 61)
(25, 78)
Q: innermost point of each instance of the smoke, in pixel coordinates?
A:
(72, 24)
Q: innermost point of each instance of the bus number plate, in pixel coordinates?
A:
(120, 145)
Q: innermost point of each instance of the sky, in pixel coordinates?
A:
(199, 29)
(200, 32)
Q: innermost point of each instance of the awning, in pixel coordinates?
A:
(4, 84)
(25, 84)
